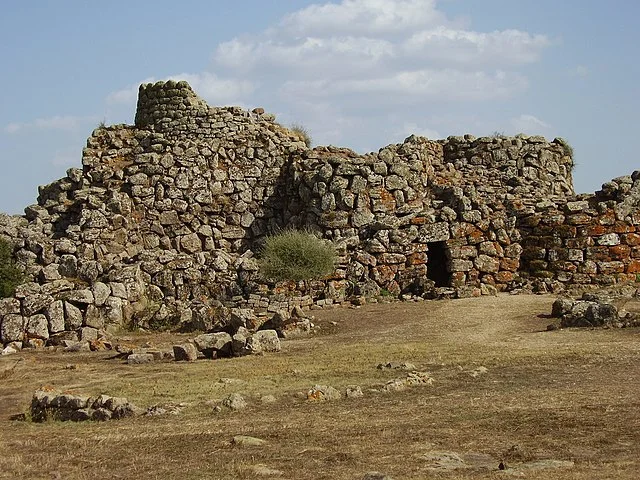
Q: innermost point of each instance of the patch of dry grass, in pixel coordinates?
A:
(566, 395)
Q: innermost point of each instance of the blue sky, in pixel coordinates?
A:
(356, 73)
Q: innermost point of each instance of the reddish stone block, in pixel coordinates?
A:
(472, 276)
(509, 264)
(504, 276)
(593, 231)
(418, 258)
(418, 220)
(598, 253)
(458, 279)
(461, 229)
(476, 236)
(383, 273)
(622, 227)
(607, 218)
(488, 279)
(620, 252)
(631, 239)
(633, 267)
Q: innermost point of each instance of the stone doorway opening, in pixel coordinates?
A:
(437, 264)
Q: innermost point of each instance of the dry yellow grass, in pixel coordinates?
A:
(566, 395)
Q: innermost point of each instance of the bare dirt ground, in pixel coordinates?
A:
(563, 404)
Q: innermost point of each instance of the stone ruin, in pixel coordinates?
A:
(161, 225)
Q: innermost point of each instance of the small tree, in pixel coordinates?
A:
(10, 275)
(296, 255)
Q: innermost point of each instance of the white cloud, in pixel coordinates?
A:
(417, 86)
(67, 123)
(209, 86)
(383, 50)
(363, 17)
(508, 47)
(529, 124)
(343, 67)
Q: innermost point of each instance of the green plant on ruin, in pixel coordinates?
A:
(568, 149)
(10, 274)
(303, 133)
(296, 255)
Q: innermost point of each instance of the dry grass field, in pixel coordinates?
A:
(562, 404)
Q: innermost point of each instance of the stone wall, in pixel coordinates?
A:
(585, 239)
(161, 225)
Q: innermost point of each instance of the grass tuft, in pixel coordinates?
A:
(303, 133)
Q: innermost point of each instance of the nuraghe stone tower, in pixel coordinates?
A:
(162, 223)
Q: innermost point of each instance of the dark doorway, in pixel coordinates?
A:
(437, 264)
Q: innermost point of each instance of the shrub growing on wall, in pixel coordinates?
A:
(10, 275)
(296, 255)
(303, 133)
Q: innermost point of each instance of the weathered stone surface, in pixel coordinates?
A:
(73, 316)
(35, 303)
(322, 393)
(12, 328)
(84, 296)
(247, 441)
(214, 343)
(37, 326)
(94, 317)
(163, 214)
(264, 341)
(186, 352)
(88, 334)
(55, 316)
(140, 358)
(234, 401)
(101, 292)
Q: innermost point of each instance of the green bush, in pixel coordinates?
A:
(10, 275)
(296, 255)
(303, 133)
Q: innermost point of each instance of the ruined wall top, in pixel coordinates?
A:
(173, 109)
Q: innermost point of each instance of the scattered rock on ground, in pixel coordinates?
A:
(186, 352)
(234, 401)
(376, 476)
(354, 391)
(264, 471)
(476, 372)
(322, 393)
(592, 310)
(247, 441)
(396, 366)
(140, 358)
(51, 405)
